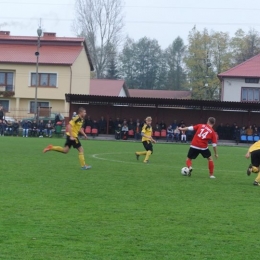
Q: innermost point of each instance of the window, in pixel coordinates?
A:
(6, 81)
(5, 104)
(44, 79)
(252, 80)
(39, 104)
(250, 94)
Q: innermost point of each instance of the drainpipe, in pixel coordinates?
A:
(70, 91)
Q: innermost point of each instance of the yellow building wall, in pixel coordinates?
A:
(80, 75)
(70, 79)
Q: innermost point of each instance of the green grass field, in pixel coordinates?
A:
(122, 208)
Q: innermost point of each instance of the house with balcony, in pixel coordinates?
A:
(241, 83)
(64, 66)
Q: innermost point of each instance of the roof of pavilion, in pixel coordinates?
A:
(163, 102)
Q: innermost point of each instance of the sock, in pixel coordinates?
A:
(81, 159)
(255, 169)
(57, 149)
(141, 153)
(148, 153)
(188, 162)
(211, 167)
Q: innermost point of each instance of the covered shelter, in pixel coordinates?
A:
(189, 110)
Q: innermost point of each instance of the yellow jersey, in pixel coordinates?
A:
(255, 146)
(147, 130)
(76, 124)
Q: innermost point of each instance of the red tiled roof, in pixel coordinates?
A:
(53, 50)
(148, 93)
(106, 87)
(64, 55)
(249, 68)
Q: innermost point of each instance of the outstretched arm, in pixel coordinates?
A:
(248, 154)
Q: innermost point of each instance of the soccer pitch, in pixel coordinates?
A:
(122, 208)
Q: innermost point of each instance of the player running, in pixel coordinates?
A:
(254, 153)
(147, 140)
(199, 144)
(73, 128)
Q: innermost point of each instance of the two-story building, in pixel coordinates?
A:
(241, 83)
(64, 67)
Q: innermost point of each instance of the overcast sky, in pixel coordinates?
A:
(163, 20)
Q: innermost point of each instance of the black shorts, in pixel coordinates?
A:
(75, 143)
(148, 146)
(255, 158)
(193, 153)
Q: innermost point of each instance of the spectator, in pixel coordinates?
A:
(95, 124)
(88, 122)
(124, 131)
(49, 128)
(176, 133)
(237, 134)
(117, 122)
(34, 129)
(183, 135)
(16, 126)
(102, 125)
(131, 124)
(220, 131)
(249, 130)
(169, 134)
(2, 114)
(256, 132)
(243, 131)
(181, 123)
(2, 127)
(162, 125)
(41, 128)
(111, 128)
(118, 132)
(9, 128)
(157, 127)
(25, 127)
(174, 124)
(137, 131)
(58, 119)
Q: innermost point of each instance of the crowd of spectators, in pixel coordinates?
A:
(125, 128)
(234, 131)
(26, 128)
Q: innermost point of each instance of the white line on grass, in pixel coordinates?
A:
(97, 156)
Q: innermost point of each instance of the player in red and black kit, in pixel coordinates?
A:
(199, 144)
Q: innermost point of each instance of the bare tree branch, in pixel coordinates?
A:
(101, 23)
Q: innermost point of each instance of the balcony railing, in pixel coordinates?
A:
(7, 88)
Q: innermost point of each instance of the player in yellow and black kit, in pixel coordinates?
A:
(73, 129)
(254, 152)
(147, 140)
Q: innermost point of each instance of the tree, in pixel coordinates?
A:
(101, 23)
(174, 55)
(245, 46)
(112, 71)
(142, 64)
(207, 56)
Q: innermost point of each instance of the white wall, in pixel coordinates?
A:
(232, 88)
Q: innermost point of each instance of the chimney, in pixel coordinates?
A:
(49, 34)
(4, 32)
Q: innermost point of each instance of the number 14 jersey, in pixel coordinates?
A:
(203, 133)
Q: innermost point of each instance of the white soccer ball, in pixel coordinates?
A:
(185, 171)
